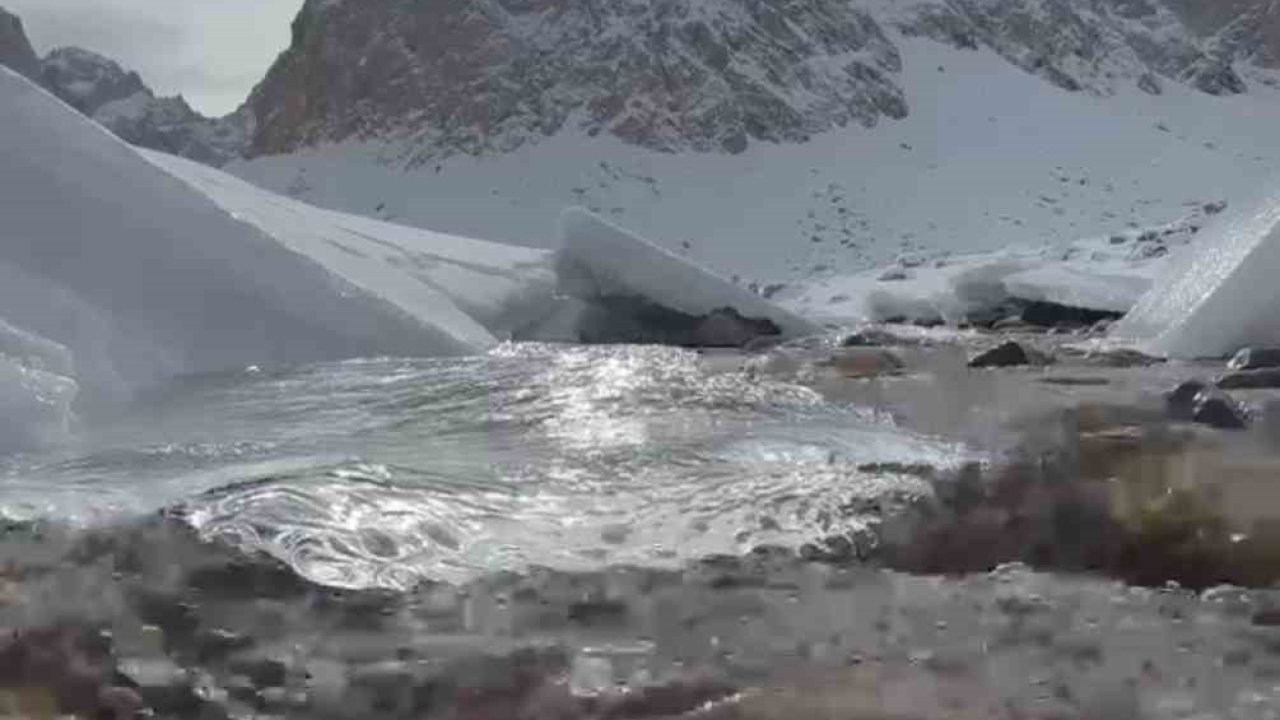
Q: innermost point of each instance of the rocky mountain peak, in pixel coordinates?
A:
(476, 76)
(87, 81)
(119, 100)
(446, 77)
(15, 49)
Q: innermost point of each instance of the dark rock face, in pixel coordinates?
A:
(15, 49)
(467, 76)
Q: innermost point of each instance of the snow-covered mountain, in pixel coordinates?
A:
(776, 141)
(120, 101)
(485, 76)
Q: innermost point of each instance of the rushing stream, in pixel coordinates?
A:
(565, 532)
(381, 473)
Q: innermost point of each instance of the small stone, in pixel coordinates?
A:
(1250, 379)
(1251, 358)
(1009, 354)
(893, 274)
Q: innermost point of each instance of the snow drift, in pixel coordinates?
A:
(114, 275)
(1218, 298)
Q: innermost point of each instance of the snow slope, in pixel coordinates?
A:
(1219, 298)
(990, 156)
(114, 274)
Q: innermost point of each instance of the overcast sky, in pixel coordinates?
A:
(211, 51)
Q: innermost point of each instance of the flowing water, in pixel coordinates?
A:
(382, 473)
(570, 533)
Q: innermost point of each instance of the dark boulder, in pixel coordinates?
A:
(1204, 404)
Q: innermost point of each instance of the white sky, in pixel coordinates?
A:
(210, 51)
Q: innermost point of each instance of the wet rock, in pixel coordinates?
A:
(1251, 379)
(1052, 315)
(1252, 358)
(1218, 410)
(727, 327)
(1197, 401)
(1180, 403)
(1009, 354)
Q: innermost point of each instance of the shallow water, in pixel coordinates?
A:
(606, 532)
(383, 473)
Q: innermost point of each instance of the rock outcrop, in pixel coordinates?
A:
(477, 76)
(118, 99)
(15, 49)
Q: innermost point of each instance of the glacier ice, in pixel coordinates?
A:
(600, 260)
(1218, 297)
(114, 274)
(473, 289)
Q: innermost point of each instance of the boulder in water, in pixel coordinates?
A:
(1199, 402)
(1220, 411)
(1180, 403)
